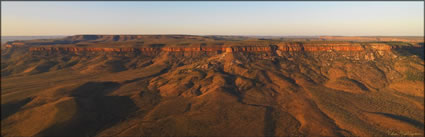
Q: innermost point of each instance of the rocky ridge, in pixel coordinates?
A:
(271, 48)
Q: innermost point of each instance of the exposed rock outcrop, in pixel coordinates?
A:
(230, 49)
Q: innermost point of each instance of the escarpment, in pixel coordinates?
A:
(323, 52)
(52, 50)
(281, 47)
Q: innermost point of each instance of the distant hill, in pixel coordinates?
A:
(5, 39)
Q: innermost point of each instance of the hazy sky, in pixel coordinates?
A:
(218, 18)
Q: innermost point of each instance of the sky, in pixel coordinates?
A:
(213, 18)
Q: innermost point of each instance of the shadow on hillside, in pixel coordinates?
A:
(149, 76)
(410, 51)
(156, 45)
(404, 119)
(11, 108)
(269, 123)
(95, 111)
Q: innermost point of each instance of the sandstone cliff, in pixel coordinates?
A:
(282, 47)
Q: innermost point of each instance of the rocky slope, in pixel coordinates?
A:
(281, 47)
(227, 87)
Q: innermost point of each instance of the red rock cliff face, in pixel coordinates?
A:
(250, 49)
(77, 49)
(14, 44)
(221, 49)
(143, 51)
(320, 47)
(179, 49)
(336, 47)
(379, 46)
(289, 47)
